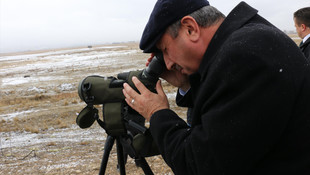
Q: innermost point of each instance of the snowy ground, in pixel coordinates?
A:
(39, 104)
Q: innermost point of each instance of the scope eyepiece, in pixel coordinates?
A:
(156, 67)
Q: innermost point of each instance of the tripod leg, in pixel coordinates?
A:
(120, 157)
(141, 162)
(107, 149)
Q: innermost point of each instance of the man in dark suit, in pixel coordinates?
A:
(246, 82)
(302, 24)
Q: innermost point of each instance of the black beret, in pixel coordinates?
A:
(165, 13)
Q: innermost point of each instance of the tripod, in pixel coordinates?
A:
(125, 126)
(140, 161)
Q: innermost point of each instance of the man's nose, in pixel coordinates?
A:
(169, 64)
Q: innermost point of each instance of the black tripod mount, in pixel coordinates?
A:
(121, 157)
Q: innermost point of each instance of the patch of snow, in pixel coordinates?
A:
(11, 116)
(50, 61)
(22, 80)
(171, 95)
(35, 89)
(67, 51)
(74, 134)
(66, 87)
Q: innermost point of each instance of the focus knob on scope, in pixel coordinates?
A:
(148, 76)
(152, 72)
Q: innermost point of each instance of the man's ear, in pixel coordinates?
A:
(303, 27)
(191, 27)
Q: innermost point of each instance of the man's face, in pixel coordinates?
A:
(299, 29)
(178, 53)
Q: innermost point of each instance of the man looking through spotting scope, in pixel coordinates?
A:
(246, 82)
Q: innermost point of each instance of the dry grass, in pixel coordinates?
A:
(68, 102)
(295, 38)
(53, 111)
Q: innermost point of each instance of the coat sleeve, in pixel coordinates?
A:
(243, 109)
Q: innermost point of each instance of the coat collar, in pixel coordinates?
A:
(235, 20)
(304, 44)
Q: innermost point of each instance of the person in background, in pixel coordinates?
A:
(302, 24)
(246, 82)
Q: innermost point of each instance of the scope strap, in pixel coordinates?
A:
(100, 122)
(113, 119)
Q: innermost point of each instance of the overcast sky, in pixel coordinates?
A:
(44, 24)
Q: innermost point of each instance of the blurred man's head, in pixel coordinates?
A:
(302, 22)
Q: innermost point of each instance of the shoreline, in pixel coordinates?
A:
(293, 36)
(61, 49)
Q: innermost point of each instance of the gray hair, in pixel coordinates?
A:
(205, 17)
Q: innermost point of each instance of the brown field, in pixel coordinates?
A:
(37, 117)
(39, 104)
(295, 38)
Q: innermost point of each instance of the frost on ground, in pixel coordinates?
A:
(39, 104)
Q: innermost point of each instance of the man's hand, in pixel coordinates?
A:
(147, 102)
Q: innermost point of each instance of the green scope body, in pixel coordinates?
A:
(96, 89)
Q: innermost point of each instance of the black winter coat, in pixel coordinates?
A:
(305, 48)
(251, 105)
